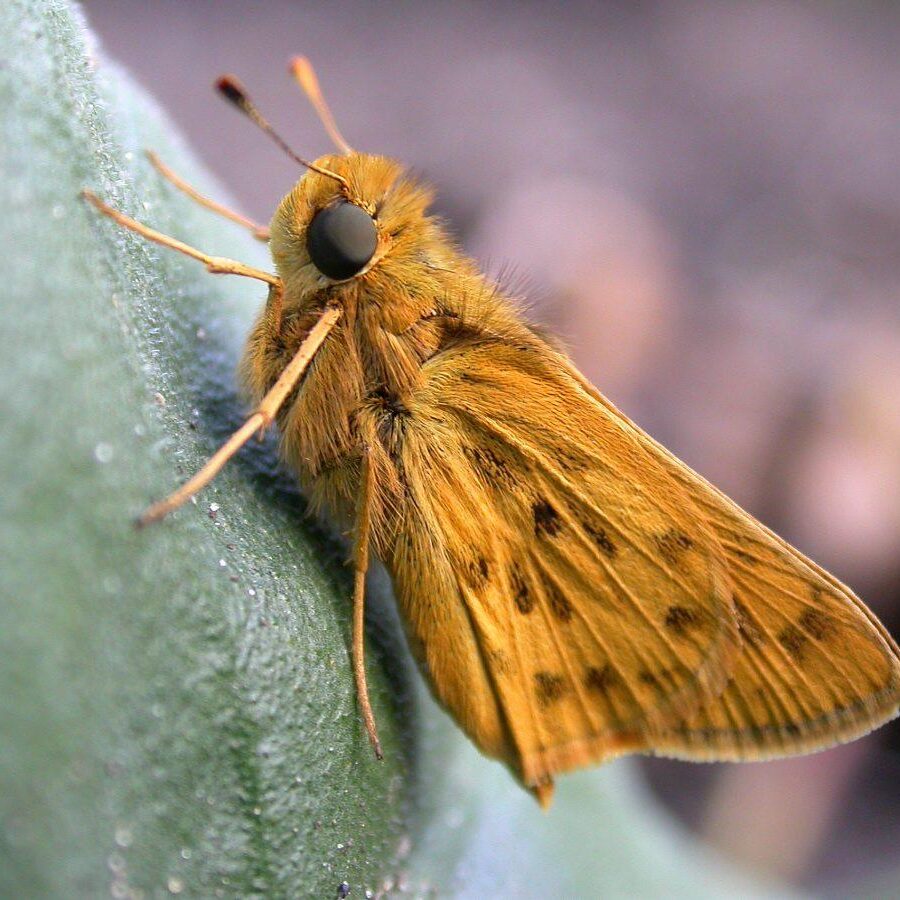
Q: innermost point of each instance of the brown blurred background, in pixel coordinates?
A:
(705, 200)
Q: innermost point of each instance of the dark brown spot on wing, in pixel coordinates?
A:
(491, 466)
(521, 594)
(477, 571)
(546, 519)
(793, 640)
(569, 459)
(661, 680)
(559, 603)
(746, 557)
(817, 624)
(682, 619)
(599, 536)
(672, 544)
(600, 679)
(550, 687)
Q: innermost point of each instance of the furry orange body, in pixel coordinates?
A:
(419, 298)
(477, 428)
(571, 590)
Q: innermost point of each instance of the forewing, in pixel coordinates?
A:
(816, 667)
(566, 598)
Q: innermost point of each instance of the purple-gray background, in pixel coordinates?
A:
(705, 198)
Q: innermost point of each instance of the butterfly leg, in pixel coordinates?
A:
(260, 232)
(361, 565)
(218, 265)
(258, 420)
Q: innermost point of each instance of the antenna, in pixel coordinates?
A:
(233, 91)
(302, 70)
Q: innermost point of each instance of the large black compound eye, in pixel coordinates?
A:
(341, 240)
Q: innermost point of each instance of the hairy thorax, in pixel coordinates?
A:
(419, 297)
(358, 391)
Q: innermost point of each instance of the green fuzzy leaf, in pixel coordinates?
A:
(179, 700)
(176, 705)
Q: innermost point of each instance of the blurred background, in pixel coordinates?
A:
(704, 199)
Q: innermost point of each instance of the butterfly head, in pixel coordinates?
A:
(349, 215)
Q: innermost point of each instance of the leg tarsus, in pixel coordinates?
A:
(220, 265)
(361, 565)
(212, 468)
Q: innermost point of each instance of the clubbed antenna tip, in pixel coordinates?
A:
(233, 91)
